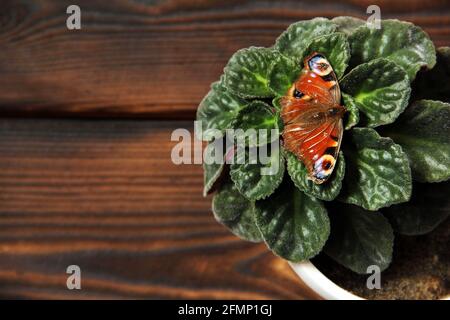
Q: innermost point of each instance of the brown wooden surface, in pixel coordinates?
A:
(103, 194)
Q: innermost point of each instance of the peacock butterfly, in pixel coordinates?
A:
(312, 117)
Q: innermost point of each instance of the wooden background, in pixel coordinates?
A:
(85, 124)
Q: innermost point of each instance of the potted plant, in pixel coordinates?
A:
(378, 98)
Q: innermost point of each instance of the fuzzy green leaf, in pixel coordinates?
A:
(380, 90)
(276, 102)
(297, 37)
(260, 117)
(294, 225)
(377, 171)
(236, 212)
(211, 172)
(434, 84)
(257, 179)
(423, 131)
(218, 110)
(347, 25)
(212, 169)
(401, 42)
(336, 49)
(214, 163)
(352, 115)
(282, 74)
(429, 206)
(359, 239)
(326, 191)
(246, 74)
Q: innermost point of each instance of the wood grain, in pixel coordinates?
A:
(151, 58)
(105, 195)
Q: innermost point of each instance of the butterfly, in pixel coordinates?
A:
(312, 117)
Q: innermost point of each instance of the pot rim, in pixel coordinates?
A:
(323, 286)
(320, 284)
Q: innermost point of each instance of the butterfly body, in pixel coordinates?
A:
(312, 117)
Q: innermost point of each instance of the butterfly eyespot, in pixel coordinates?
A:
(297, 94)
(326, 165)
(323, 65)
(319, 65)
(316, 57)
(333, 111)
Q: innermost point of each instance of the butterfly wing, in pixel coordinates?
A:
(313, 118)
(315, 138)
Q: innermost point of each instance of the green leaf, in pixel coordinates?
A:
(352, 115)
(380, 90)
(326, 191)
(360, 239)
(246, 74)
(258, 179)
(217, 110)
(347, 25)
(294, 225)
(429, 206)
(336, 49)
(214, 160)
(212, 169)
(423, 131)
(236, 212)
(297, 37)
(260, 117)
(434, 84)
(276, 102)
(401, 42)
(282, 74)
(377, 171)
(211, 172)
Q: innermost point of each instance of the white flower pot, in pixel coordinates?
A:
(321, 286)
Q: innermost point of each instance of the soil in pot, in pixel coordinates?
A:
(419, 270)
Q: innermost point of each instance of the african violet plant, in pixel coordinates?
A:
(396, 139)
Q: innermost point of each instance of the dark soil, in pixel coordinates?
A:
(419, 270)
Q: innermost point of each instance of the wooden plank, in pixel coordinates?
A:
(151, 58)
(105, 195)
